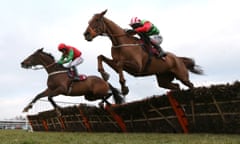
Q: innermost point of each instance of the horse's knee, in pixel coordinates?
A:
(100, 57)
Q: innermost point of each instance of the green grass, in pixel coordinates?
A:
(23, 137)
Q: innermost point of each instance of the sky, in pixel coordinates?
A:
(206, 30)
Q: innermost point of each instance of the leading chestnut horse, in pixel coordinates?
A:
(129, 55)
(93, 87)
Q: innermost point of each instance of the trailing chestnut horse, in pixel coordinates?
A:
(129, 55)
(93, 87)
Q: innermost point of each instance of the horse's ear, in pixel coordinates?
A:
(103, 13)
(41, 49)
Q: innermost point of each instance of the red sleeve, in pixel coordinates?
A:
(145, 28)
(77, 52)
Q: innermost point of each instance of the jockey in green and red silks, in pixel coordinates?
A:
(148, 28)
(72, 55)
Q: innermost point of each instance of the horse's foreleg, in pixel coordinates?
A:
(40, 95)
(122, 80)
(55, 92)
(56, 107)
(103, 73)
(117, 67)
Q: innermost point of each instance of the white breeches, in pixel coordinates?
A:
(75, 62)
(156, 39)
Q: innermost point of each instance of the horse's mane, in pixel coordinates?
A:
(58, 66)
(110, 21)
(50, 55)
(113, 23)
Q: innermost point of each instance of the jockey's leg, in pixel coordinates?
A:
(73, 67)
(75, 71)
(161, 51)
(156, 40)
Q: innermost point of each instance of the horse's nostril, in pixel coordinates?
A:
(86, 34)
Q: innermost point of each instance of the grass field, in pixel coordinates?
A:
(24, 137)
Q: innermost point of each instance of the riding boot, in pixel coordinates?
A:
(161, 52)
(75, 77)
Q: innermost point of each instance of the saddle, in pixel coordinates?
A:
(145, 42)
(80, 77)
(148, 46)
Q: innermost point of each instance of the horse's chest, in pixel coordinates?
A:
(121, 55)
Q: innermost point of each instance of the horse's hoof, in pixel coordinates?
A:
(101, 105)
(25, 110)
(58, 111)
(125, 91)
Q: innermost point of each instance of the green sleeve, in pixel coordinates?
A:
(70, 56)
(61, 61)
(67, 59)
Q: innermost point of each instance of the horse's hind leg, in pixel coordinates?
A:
(188, 83)
(104, 100)
(183, 76)
(165, 81)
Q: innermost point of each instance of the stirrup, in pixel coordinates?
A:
(76, 78)
(162, 56)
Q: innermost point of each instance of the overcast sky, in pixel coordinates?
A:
(206, 30)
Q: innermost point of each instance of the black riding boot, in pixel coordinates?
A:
(161, 52)
(75, 77)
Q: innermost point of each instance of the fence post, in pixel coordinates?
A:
(85, 120)
(182, 119)
(44, 122)
(117, 118)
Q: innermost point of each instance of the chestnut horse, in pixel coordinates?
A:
(129, 55)
(93, 87)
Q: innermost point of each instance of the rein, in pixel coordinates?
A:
(111, 35)
(125, 45)
(52, 73)
(42, 67)
(57, 72)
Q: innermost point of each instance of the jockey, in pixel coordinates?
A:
(72, 55)
(146, 27)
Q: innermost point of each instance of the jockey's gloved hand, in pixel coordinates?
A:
(59, 62)
(130, 31)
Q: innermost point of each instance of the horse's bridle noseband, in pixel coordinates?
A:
(47, 66)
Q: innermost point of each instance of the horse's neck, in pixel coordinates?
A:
(51, 66)
(115, 32)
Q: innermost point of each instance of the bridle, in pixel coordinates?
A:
(104, 33)
(46, 66)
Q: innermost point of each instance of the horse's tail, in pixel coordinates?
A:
(116, 95)
(191, 66)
